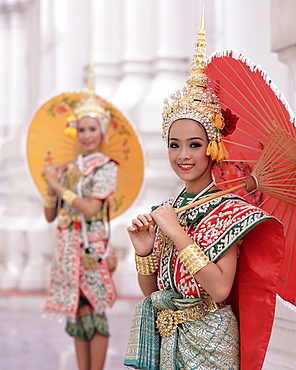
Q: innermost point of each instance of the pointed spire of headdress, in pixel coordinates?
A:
(91, 77)
(91, 105)
(197, 101)
(198, 79)
(198, 64)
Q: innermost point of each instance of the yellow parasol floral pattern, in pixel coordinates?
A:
(46, 134)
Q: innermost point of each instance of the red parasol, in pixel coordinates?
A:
(265, 121)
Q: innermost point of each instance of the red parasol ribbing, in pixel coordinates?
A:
(265, 121)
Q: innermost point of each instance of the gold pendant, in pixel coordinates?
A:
(89, 261)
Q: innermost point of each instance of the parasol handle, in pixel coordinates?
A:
(48, 159)
(250, 183)
(210, 197)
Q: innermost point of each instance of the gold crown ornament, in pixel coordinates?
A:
(198, 101)
(70, 129)
(89, 106)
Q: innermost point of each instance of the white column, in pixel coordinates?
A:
(3, 252)
(40, 238)
(175, 34)
(65, 46)
(4, 76)
(33, 57)
(16, 53)
(138, 54)
(107, 44)
(138, 51)
(47, 45)
(175, 30)
(281, 348)
(14, 256)
(72, 30)
(283, 41)
(159, 40)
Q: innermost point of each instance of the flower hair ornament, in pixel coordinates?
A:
(89, 106)
(199, 102)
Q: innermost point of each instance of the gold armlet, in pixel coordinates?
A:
(69, 196)
(146, 265)
(193, 258)
(50, 201)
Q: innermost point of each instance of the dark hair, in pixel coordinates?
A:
(192, 119)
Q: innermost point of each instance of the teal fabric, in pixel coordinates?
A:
(209, 343)
(144, 341)
(84, 327)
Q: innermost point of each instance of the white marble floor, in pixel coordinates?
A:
(30, 342)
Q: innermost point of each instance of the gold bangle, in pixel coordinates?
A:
(146, 265)
(69, 196)
(193, 258)
(50, 201)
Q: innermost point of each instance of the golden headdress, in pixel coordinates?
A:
(198, 101)
(89, 106)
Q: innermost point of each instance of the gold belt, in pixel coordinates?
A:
(168, 320)
(66, 220)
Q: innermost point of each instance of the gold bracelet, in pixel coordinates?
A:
(193, 258)
(146, 265)
(50, 201)
(69, 196)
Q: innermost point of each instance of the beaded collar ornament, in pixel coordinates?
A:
(89, 106)
(198, 101)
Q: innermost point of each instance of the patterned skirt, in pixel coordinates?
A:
(87, 322)
(211, 342)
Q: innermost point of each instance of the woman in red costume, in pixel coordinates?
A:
(210, 274)
(81, 283)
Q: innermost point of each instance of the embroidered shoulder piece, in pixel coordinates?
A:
(95, 162)
(226, 224)
(195, 213)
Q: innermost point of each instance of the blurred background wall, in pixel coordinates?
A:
(142, 52)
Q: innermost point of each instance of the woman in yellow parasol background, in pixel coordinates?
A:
(99, 182)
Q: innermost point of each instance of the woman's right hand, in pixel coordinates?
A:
(142, 240)
(52, 173)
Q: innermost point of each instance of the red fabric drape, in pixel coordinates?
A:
(254, 292)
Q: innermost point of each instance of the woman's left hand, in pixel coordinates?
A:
(167, 220)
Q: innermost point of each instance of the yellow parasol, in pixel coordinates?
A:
(46, 134)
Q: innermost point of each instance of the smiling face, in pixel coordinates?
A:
(89, 135)
(187, 153)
